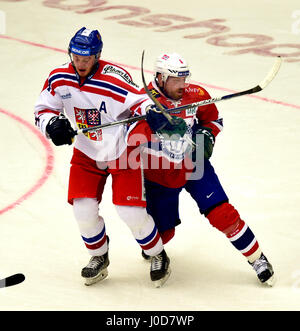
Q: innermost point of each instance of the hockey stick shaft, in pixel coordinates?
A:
(156, 102)
(111, 124)
(12, 280)
(266, 81)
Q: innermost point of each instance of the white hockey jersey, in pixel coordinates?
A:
(109, 95)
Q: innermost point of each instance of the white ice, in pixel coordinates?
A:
(256, 158)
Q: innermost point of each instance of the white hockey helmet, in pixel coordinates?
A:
(171, 64)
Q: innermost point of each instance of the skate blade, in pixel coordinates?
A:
(159, 283)
(92, 280)
(271, 281)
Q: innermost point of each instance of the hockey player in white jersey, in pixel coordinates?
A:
(90, 91)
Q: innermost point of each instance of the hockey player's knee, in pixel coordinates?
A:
(128, 213)
(86, 210)
(135, 217)
(224, 217)
(142, 227)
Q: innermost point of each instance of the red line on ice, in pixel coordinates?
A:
(48, 166)
(50, 158)
(138, 68)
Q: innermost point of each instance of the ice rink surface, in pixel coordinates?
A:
(230, 46)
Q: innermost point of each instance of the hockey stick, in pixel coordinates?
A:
(263, 84)
(12, 280)
(136, 118)
(156, 102)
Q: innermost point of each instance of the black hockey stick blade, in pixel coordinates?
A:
(264, 83)
(12, 280)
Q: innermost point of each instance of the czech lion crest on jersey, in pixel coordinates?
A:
(87, 118)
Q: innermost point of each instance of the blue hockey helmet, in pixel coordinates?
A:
(86, 42)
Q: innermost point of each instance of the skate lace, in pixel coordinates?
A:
(157, 262)
(260, 265)
(95, 261)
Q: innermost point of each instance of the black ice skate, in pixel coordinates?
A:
(264, 270)
(96, 269)
(146, 256)
(160, 270)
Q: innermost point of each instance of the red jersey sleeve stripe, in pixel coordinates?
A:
(47, 111)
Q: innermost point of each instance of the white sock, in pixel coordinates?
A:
(91, 225)
(142, 227)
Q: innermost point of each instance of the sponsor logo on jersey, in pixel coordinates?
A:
(197, 90)
(175, 150)
(129, 197)
(86, 118)
(109, 69)
(192, 90)
(191, 111)
(66, 96)
(201, 92)
(155, 93)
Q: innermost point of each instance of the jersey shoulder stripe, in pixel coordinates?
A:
(90, 88)
(65, 68)
(102, 82)
(65, 71)
(106, 85)
(60, 76)
(104, 92)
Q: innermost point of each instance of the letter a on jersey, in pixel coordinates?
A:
(102, 107)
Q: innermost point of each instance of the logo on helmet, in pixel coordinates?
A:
(80, 51)
(183, 73)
